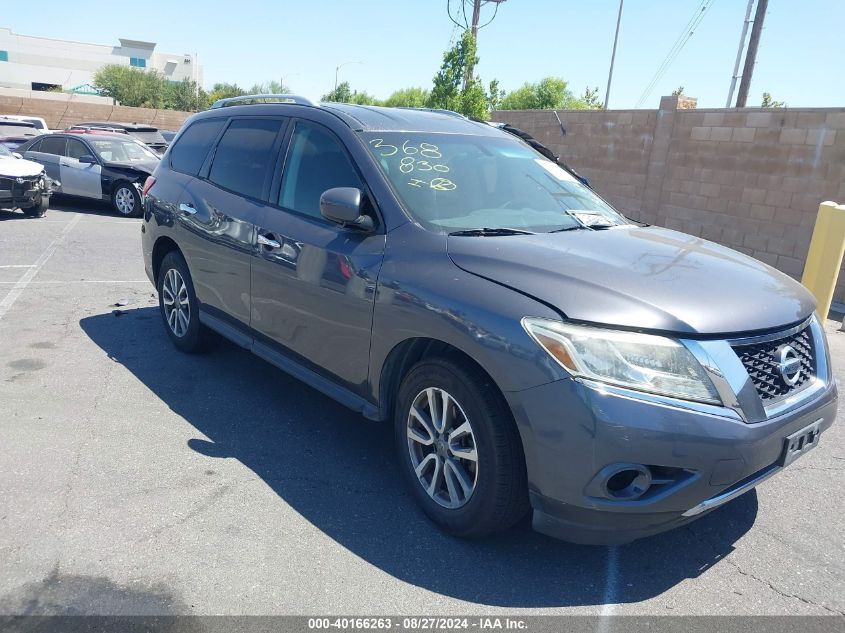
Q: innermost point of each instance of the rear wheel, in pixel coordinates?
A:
(179, 308)
(459, 448)
(38, 210)
(126, 200)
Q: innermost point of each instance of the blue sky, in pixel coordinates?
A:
(401, 43)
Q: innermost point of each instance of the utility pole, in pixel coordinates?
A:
(739, 52)
(751, 56)
(473, 29)
(613, 55)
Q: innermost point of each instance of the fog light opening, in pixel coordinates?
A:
(628, 483)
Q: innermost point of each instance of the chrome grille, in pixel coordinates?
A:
(761, 361)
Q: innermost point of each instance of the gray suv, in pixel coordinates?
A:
(534, 349)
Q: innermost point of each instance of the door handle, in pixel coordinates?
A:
(266, 241)
(187, 208)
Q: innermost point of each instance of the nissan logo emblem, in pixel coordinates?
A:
(789, 365)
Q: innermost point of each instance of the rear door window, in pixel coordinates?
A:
(244, 156)
(53, 145)
(190, 151)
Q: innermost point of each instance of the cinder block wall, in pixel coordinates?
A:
(61, 114)
(750, 178)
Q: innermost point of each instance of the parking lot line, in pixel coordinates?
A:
(17, 266)
(79, 281)
(28, 276)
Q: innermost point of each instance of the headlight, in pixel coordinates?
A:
(645, 362)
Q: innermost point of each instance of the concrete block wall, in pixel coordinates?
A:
(60, 114)
(751, 179)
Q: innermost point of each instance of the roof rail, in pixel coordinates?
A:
(258, 99)
(435, 110)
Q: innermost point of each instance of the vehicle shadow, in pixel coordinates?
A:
(338, 471)
(64, 203)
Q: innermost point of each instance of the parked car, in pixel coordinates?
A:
(168, 135)
(13, 142)
(14, 127)
(36, 121)
(108, 167)
(531, 346)
(147, 134)
(23, 184)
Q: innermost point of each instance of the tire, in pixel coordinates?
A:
(499, 494)
(38, 210)
(125, 199)
(176, 288)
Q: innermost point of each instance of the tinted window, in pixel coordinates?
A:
(244, 154)
(35, 147)
(316, 161)
(53, 145)
(76, 148)
(189, 153)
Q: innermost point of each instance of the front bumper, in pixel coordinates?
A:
(26, 194)
(571, 431)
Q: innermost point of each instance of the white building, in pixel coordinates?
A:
(40, 63)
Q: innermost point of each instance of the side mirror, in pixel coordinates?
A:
(343, 206)
(16, 155)
(88, 159)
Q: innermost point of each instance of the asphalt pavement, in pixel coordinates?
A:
(135, 479)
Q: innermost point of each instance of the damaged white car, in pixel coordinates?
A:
(23, 184)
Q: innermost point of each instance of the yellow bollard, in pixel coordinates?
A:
(825, 255)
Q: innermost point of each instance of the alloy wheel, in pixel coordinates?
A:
(124, 200)
(177, 307)
(442, 447)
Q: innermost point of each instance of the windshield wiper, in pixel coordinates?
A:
(574, 227)
(486, 232)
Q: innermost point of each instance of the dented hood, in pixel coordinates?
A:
(639, 277)
(12, 167)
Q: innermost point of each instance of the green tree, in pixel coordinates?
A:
(224, 91)
(407, 98)
(344, 94)
(130, 86)
(183, 95)
(591, 99)
(447, 92)
(768, 102)
(271, 87)
(341, 94)
(678, 92)
(550, 93)
(494, 96)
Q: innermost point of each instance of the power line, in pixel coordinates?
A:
(677, 47)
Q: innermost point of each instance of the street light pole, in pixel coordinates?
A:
(337, 70)
(613, 55)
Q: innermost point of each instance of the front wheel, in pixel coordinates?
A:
(179, 307)
(126, 200)
(38, 210)
(459, 448)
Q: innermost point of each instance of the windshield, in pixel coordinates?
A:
(121, 151)
(456, 182)
(4, 151)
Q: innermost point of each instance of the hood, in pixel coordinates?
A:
(18, 167)
(145, 166)
(639, 277)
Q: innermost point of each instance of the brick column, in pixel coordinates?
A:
(659, 152)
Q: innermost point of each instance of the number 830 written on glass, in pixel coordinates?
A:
(413, 158)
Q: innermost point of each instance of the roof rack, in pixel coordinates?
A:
(259, 99)
(96, 128)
